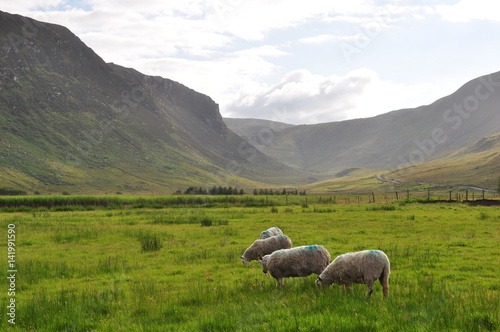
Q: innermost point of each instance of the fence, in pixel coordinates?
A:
(118, 201)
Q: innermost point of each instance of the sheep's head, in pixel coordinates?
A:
(263, 263)
(243, 260)
(320, 282)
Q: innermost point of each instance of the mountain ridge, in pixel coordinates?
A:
(391, 140)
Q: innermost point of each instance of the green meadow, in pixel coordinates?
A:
(172, 264)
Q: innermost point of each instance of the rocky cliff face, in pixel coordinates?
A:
(70, 120)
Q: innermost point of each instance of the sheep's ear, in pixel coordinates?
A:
(319, 278)
(241, 257)
(260, 257)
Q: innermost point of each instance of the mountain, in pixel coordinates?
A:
(392, 140)
(69, 121)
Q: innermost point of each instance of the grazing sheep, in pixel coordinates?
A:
(296, 262)
(264, 247)
(273, 231)
(363, 267)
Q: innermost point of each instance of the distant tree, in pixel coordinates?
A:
(242, 192)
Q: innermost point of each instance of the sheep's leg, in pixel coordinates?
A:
(369, 284)
(384, 281)
(385, 287)
(280, 283)
(345, 288)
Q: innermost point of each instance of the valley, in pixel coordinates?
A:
(71, 122)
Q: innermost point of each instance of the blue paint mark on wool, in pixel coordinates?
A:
(376, 252)
(313, 247)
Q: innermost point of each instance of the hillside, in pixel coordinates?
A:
(476, 165)
(392, 140)
(69, 121)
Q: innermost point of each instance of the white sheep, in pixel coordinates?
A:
(262, 247)
(295, 262)
(362, 267)
(273, 231)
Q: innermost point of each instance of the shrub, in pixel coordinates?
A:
(483, 216)
(11, 192)
(207, 222)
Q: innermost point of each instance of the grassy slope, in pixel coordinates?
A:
(85, 270)
(476, 165)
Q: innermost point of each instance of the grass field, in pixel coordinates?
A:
(176, 267)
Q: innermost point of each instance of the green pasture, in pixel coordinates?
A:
(163, 266)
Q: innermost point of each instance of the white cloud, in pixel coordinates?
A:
(22, 6)
(303, 97)
(222, 78)
(467, 10)
(236, 51)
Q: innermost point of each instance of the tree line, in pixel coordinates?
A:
(214, 191)
(278, 192)
(192, 190)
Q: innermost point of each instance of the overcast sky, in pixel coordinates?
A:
(306, 61)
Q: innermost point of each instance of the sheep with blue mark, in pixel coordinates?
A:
(273, 231)
(262, 247)
(362, 267)
(295, 262)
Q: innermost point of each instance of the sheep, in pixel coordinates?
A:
(262, 247)
(362, 267)
(295, 262)
(273, 231)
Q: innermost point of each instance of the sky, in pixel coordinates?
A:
(298, 62)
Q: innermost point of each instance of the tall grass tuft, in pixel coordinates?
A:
(150, 242)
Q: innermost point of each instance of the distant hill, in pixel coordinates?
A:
(69, 121)
(255, 127)
(392, 140)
